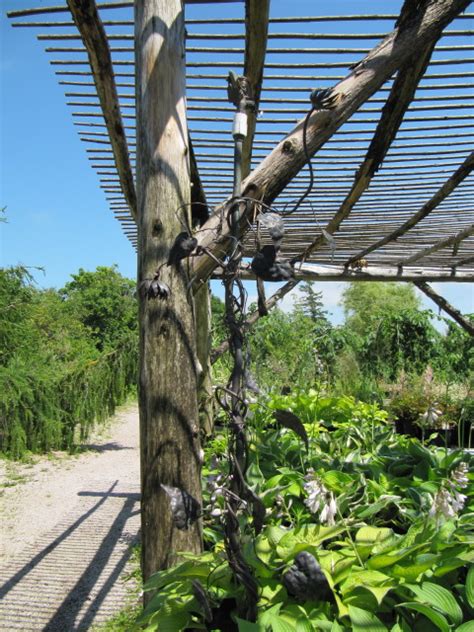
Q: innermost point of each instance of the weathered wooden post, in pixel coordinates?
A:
(169, 424)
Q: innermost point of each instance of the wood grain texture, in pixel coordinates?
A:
(169, 369)
(273, 174)
(88, 22)
(443, 304)
(256, 32)
(398, 102)
(448, 187)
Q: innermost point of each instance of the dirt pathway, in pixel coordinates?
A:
(66, 527)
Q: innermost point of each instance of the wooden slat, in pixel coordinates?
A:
(88, 22)
(398, 102)
(448, 187)
(439, 245)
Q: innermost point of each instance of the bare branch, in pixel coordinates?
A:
(447, 307)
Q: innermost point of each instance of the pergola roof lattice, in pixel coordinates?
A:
(394, 183)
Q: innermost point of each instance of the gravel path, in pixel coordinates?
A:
(66, 528)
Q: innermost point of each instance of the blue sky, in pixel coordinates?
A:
(57, 215)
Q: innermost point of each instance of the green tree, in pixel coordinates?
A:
(104, 301)
(17, 293)
(310, 302)
(366, 304)
(389, 332)
(455, 358)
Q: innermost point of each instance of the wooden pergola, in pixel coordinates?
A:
(392, 158)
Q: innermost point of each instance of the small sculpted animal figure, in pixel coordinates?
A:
(305, 579)
(183, 246)
(267, 267)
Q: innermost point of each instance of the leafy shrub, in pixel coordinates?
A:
(58, 376)
(388, 521)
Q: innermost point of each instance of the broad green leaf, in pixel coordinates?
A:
(364, 621)
(411, 572)
(371, 535)
(433, 615)
(381, 561)
(470, 586)
(254, 476)
(375, 582)
(336, 627)
(275, 534)
(194, 569)
(401, 626)
(305, 536)
(440, 598)
(265, 618)
(264, 548)
(297, 617)
(280, 625)
(248, 626)
(337, 481)
(466, 627)
(368, 537)
(365, 512)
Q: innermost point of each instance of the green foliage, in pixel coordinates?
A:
(56, 378)
(402, 341)
(293, 350)
(104, 302)
(365, 304)
(310, 302)
(455, 357)
(396, 551)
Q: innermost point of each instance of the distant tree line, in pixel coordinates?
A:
(67, 357)
(381, 353)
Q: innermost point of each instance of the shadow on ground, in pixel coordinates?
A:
(66, 615)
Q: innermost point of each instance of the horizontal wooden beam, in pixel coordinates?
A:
(314, 272)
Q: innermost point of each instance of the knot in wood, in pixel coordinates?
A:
(157, 228)
(288, 147)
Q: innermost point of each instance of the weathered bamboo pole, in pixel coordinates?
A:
(169, 370)
(256, 33)
(443, 304)
(398, 102)
(439, 245)
(448, 187)
(388, 273)
(288, 157)
(86, 17)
